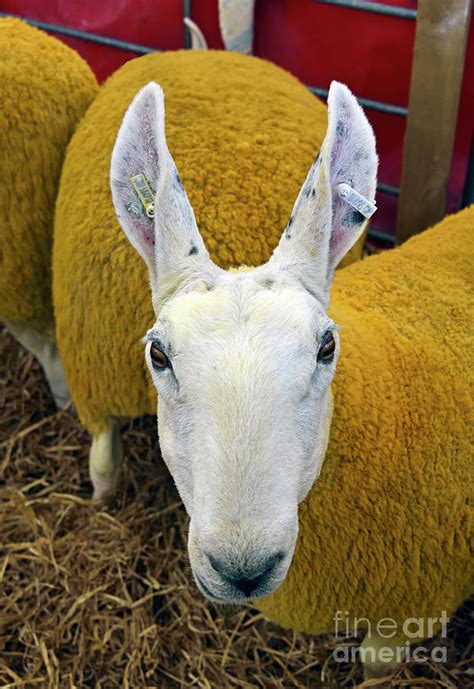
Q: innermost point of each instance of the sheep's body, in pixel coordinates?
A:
(243, 133)
(46, 88)
(387, 529)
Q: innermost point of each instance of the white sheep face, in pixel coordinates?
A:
(242, 361)
(243, 420)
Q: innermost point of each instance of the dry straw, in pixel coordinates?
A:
(103, 597)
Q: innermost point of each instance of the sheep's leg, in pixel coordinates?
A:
(381, 656)
(47, 354)
(105, 458)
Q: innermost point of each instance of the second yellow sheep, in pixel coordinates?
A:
(46, 88)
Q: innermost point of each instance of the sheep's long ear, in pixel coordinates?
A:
(326, 219)
(149, 198)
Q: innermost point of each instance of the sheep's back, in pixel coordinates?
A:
(46, 87)
(387, 529)
(243, 134)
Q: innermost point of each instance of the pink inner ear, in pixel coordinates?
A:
(147, 233)
(343, 229)
(148, 139)
(337, 243)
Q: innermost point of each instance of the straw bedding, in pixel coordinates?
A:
(103, 597)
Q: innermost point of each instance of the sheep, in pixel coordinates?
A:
(46, 88)
(244, 133)
(243, 364)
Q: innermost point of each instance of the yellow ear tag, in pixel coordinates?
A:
(144, 193)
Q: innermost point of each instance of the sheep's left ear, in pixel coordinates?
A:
(327, 220)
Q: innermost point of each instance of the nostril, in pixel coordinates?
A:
(247, 585)
(217, 565)
(250, 577)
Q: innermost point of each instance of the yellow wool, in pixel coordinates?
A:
(45, 89)
(387, 529)
(243, 134)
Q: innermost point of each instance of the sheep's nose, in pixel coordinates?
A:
(247, 585)
(246, 579)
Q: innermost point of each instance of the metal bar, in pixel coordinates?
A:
(85, 36)
(375, 7)
(381, 236)
(187, 14)
(387, 108)
(322, 93)
(442, 29)
(388, 189)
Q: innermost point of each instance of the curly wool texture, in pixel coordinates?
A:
(387, 529)
(46, 88)
(243, 134)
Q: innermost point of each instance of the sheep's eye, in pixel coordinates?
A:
(158, 357)
(327, 348)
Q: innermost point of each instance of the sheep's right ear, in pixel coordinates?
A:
(150, 202)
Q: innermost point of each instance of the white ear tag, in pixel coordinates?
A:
(356, 200)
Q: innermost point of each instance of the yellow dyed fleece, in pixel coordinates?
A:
(45, 89)
(243, 134)
(387, 529)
